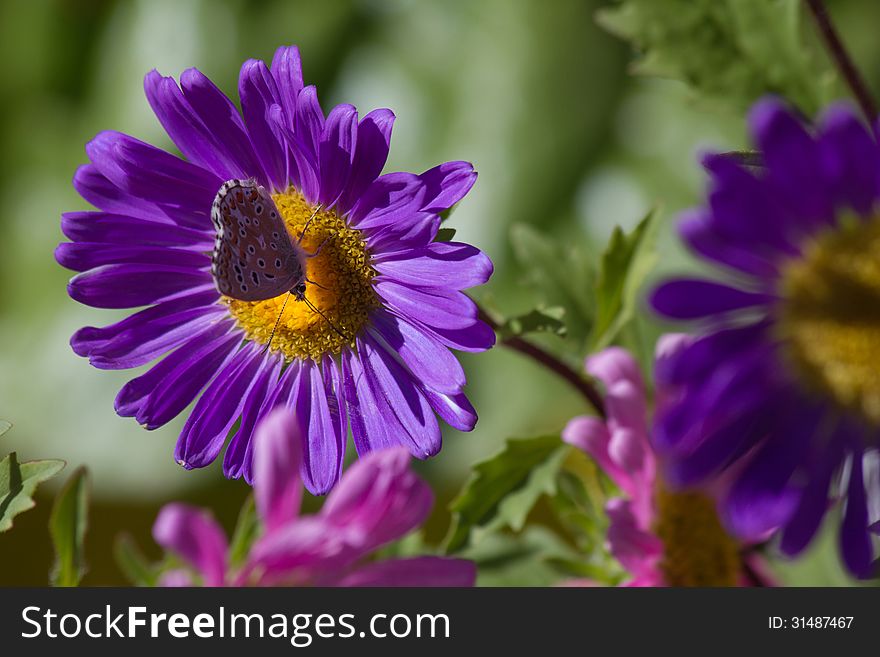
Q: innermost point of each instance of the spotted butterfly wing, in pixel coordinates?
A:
(254, 258)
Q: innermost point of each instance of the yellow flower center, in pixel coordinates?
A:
(339, 286)
(831, 316)
(696, 549)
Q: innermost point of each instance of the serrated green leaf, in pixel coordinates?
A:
(733, 50)
(504, 488)
(625, 264)
(18, 481)
(132, 562)
(445, 235)
(539, 320)
(67, 526)
(4, 426)
(246, 529)
(561, 274)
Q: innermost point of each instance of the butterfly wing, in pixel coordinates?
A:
(254, 257)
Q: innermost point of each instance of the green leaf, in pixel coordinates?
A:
(447, 213)
(526, 559)
(504, 488)
(67, 526)
(246, 529)
(18, 481)
(539, 320)
(445, 235)
(733, 50)
(627, 260)
(133, 563)
(561, 274)
(4, 426)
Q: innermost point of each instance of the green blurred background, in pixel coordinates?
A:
(533, 93)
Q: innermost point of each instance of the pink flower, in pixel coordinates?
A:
(378, 500)
(661, 537)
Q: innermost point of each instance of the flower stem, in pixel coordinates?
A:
(842, 59)
(552, 363)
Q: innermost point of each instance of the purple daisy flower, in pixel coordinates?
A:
(371, 349)
(780, 391)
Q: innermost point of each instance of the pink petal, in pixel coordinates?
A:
(195, 536)
(378, 500)
(417, 571)
(277, 459)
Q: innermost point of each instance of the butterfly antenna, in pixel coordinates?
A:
(306, 227)
(314, 309)
(277, 321)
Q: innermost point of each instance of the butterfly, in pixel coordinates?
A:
(254, 257)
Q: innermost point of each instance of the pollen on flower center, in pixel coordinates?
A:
(697, 551)
(831, 316)
(340, 287)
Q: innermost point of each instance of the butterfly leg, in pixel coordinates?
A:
(320, 246)
(306, 227)
(311, 282)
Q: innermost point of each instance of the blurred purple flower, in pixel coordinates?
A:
(377, 501)
(661, 538)
(380, 275)
(781, 390)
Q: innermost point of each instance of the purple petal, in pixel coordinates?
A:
(148, 172)
(479, 336)
(694, 298)
(441, 265)
(125, 230)
(218, 409)
(221, 118)
(133, 285)
(855, 541)
(238, 459)
(309, 121)
(379, 500)
(258, 93)
(142, 337)
(439, 308)
(455, 410)
(301, 167)
(792, 158)
(429, 361)
(323, 445)
(369, 430)
(336, 151)
(416, 571)
(417, 231)
(394, 199)
(762, 498)
(82, 256)
(399, 399)
(746, 212)
(286, 68)
(277, 461)
(104, 195)
(698, 233)
(196, 537)
(446, 185)
(159, 395)
(851, 158)
(184, 126)
(814, 502)
(370, 155)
